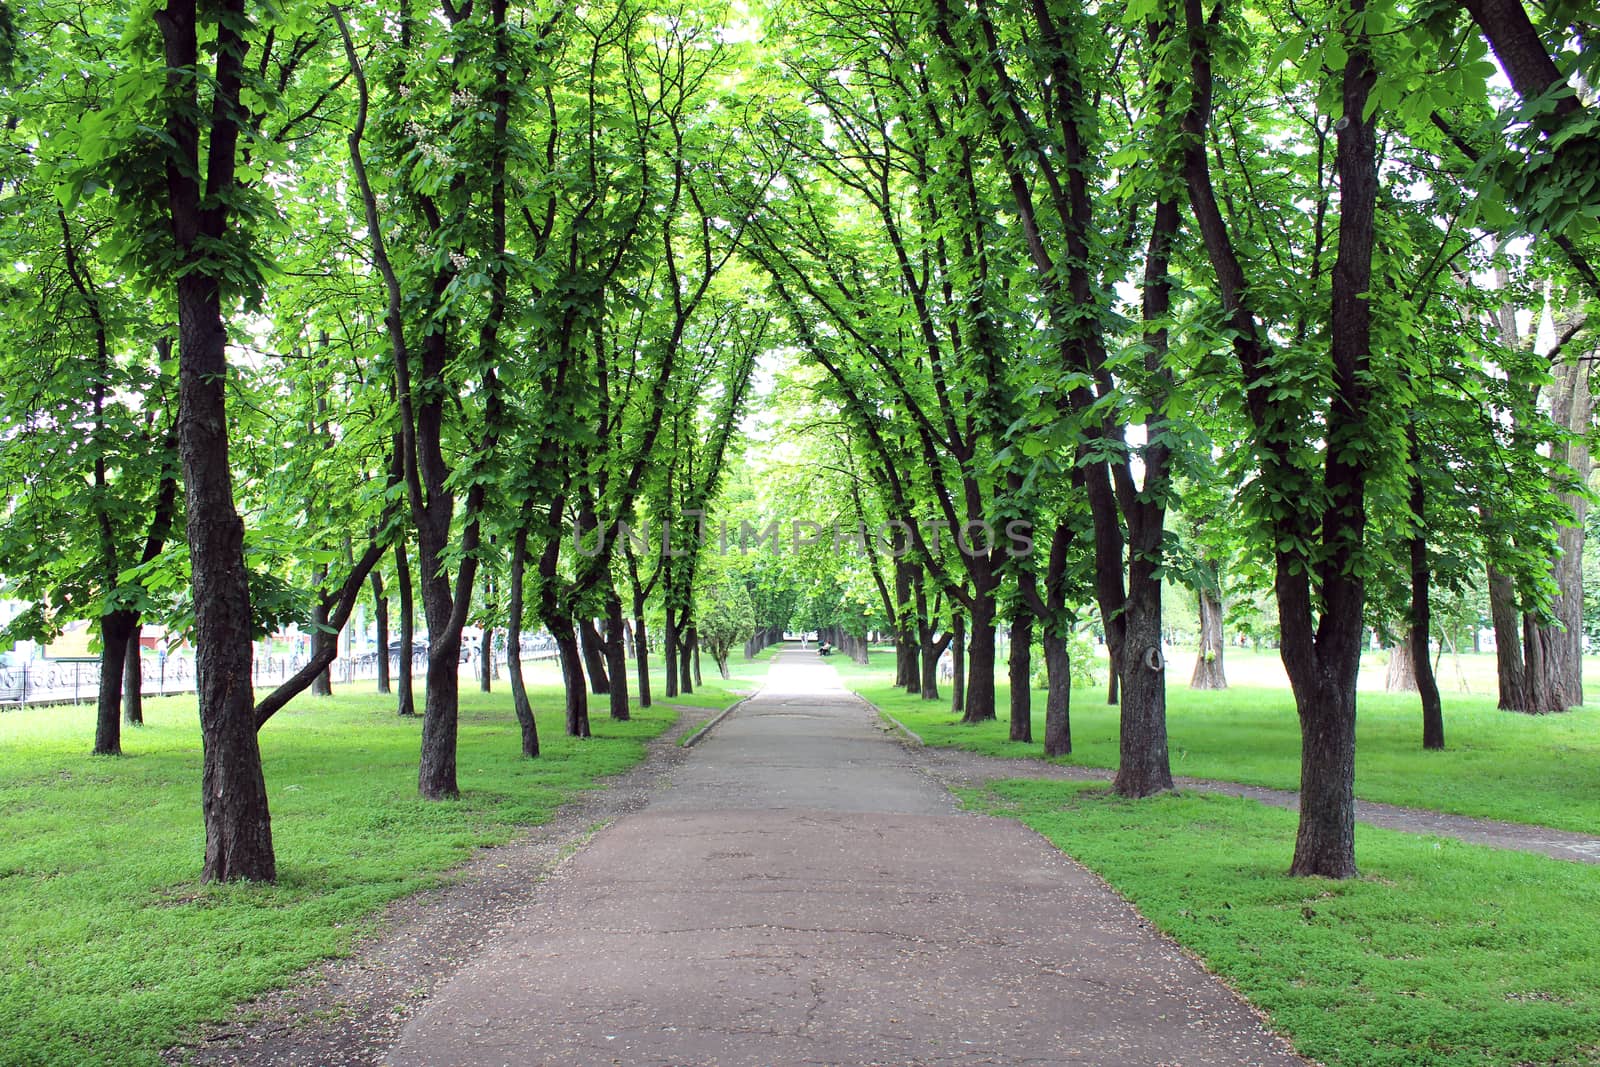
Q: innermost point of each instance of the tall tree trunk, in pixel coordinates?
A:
(1427, 684)
(1021, 669)
(486, 661)
(1058, 698)
(1571, 407)
(641, 654)
(577, 693)
(1507, 621)
(694, 648)
(1114, 679)
(930, 649)
(133, 680)
(1143, 767)
(1323, 665)
(1208, 671)
(1401, 677)
(980, 705)
(958, 663)
(905, 627)
(380, 611)
(446, 611)
(686, 683)
(519, 690)
(114, 630)
(616, 658)
(436, 771)
(1321, 649)
(322, 684)
(1325, 841)
(233, 787)
(1421, 609)
(486, 639)
(406, 705)
(594, 662)
(669, 651)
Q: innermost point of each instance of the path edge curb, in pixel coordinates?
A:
(711, 724)
(896, 723)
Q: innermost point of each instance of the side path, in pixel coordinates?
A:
(973, 768)
(803, 893)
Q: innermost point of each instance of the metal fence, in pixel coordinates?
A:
(76, 681)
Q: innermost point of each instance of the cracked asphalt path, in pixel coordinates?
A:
(801, 893)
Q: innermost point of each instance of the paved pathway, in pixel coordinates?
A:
(803, 894)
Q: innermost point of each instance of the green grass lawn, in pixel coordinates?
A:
(1542, 770)
(1441, 953)
(111, 948)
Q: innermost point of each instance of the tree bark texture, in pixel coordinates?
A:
(405, 705)
(594, 661)
(1021, 669)
(1208, 669)
(133, 680)
(1143, 767)
(233, 788)
(1507, 621)
(617, 659)
(321, 637)
(669, 651)
(1421, 608)
(577, 693)
(115, 627)
(1401, 675)
(1058, 697)
(514, 609)
(1323, 666)
(958, 664)
(641, 655)
(686, 680)
(380, 612)
(980, 705)
(1562, 644)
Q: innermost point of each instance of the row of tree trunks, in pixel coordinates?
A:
(762, 639)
